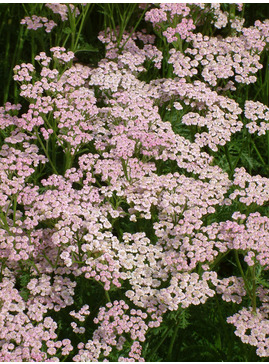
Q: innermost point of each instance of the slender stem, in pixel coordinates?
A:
(68, 159)
(48, 260)
(166, 333)
(253, 278)
(34, 266)
(72, 22)
(54, 128)
(57, 259)
(47, 154)
(84, 14)
(242, 274)
(112, 23)
(218, 259)
(107, 296)
(258, 153)
(228, 157)
(267, 134)
(124, 166)
(223, 323)
(16, 55)
(14, 209)
(168, 329)
(2, 268)
(170, 350)
(138, 22)
(4, 220)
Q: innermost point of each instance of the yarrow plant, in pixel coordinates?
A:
(117, 211)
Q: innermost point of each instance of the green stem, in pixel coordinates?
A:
(2, 268)
(218, 259)
(170, 350)
(112, 22)
(45, 151)
(107, 296)
(166, 333)
(228, 158)
(124, 167)
(34, 266)
(48, 260)
(232, 11)
(16, 56)
(267, 134)
(258, 153)
(68, 160)
(14, 209)
(84, 14)
(4, 220)
(134, 29)
(54, 136)
(168, 329)
(106, 292)
(72, 22)
(242, 274)
(253, 278)
(57, 259)
(223, 323)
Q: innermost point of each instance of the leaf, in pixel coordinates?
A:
(24, 279)
(67, 30)
(24, 293)
(87, 48)
(263, 282)
(184, 316)
(90, 54)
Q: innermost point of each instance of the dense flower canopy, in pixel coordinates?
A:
(97, 187)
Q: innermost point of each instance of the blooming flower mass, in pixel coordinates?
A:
(128, 199)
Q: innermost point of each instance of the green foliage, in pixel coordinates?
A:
(22, 281)
(165, 336)
(120, 17)
(208, 337)
(90, 54)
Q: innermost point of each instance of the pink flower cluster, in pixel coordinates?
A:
(249, 235)
(62, 10)
(23, 338)
(127, 54)
(216, 116)
(165, 12)
(250, 189)
(256, 111)
(232, 289)
(220, 18)
(35, 22)
(253, 329)
(114, 323)
(123, 165)
(228, 57)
